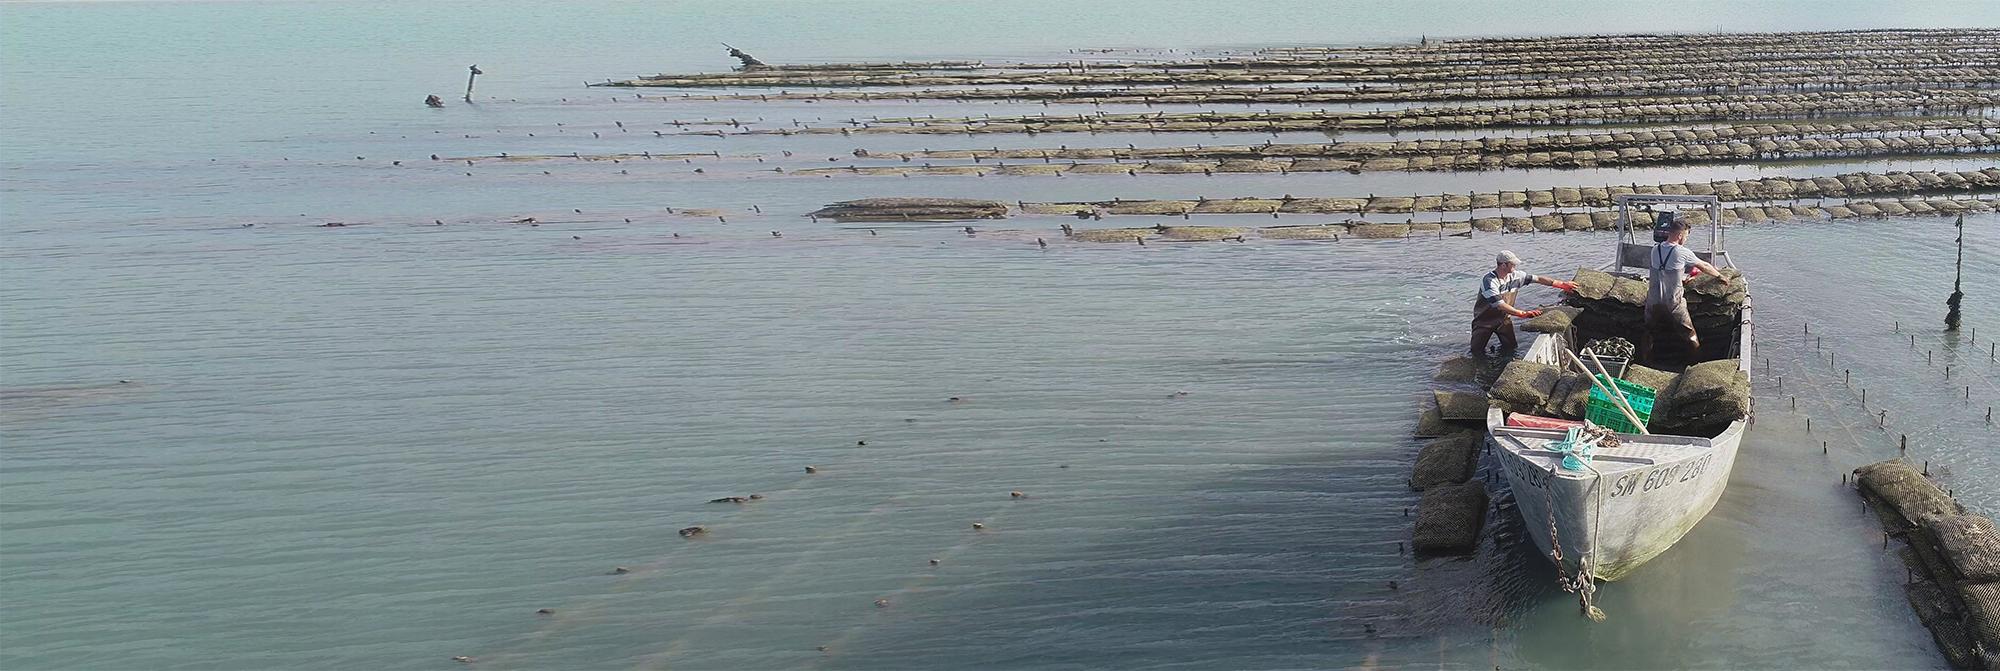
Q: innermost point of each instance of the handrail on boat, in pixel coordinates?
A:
(1626, 201)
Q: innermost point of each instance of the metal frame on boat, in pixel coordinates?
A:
(1629, 503)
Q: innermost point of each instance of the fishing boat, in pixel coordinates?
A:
(1629, 503)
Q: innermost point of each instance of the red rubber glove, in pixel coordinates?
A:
(1694, 271)
(1531, 314)
(1565, 285)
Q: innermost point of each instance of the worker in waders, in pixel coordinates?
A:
(1670, 266)
(1493, 312)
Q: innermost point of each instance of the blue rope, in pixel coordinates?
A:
(1575, 448)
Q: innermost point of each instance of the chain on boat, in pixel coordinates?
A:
(1577, 447)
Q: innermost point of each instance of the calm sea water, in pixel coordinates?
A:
(386, 444)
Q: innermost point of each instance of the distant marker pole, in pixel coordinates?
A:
(468, 81)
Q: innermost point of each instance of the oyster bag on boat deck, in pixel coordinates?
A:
(1657, 379)
(1525, 384)
(1571, 398)
(1705, 382)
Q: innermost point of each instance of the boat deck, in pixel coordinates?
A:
(1633, 452)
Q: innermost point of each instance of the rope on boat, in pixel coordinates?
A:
(1578, 445)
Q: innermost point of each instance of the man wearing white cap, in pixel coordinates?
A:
(1492, 312)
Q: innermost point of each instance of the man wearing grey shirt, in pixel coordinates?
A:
(1667, 318)
(1493, 309)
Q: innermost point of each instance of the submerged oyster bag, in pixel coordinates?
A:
(1982, 619)
(1460, 405)
(1430, 424)
(1913, 499)
(1449, 518)
(1461, 369)
(1970, 546)
(1446, 460)
(913, 209)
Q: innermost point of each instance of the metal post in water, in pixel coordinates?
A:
(468, 82)
(1951, 315)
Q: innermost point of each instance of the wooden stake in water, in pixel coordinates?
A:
(468, 82)
(1951, 316)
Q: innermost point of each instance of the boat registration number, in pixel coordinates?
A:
(1659, 478)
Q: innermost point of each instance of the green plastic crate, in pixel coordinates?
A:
(1603, 410)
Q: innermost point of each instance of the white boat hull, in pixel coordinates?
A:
(1632, 503)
